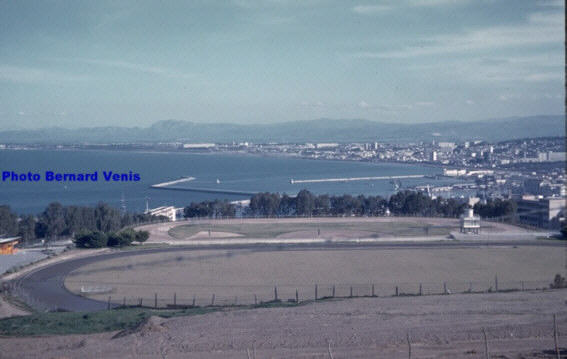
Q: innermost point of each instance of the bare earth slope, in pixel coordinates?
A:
(518, 325)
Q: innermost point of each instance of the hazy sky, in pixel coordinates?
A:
(131, 63)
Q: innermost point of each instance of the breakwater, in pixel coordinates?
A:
(165, 184)
(207, 190)
(348, 179)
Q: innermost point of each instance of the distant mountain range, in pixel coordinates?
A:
(321, 130)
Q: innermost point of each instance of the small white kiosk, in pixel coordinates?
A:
(470, 223)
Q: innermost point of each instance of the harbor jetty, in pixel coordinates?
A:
(348, 179)
(165, 184)
(208, 190)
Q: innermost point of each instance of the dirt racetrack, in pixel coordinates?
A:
(183, 232)
(240, 274)
(518, 325)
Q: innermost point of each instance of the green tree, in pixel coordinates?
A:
(322, 205)
(287, 205)
(74, 220)
(107, 218)
(54, 219)
(305, 203)
(27, 228)
(8, 222)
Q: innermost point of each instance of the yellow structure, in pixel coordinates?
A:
(8, 245)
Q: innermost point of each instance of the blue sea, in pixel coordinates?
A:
(234, 172)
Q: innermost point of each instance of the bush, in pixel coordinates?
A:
(558, 282)
(101, 240)
(142, 236)
(121, 239)
(91, 240)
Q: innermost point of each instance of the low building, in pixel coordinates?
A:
(326, 145)
(8, 245)
(166, 211)
(470, 223)
(540, 212)
(454, 172)
(198, 146)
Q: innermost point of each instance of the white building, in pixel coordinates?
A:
(470, 223)
(326, 145)
(454, 172)
(166, 211)
(198, 146)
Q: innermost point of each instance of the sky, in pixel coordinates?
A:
(132, 63)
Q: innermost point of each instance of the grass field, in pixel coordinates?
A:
(84, 323)
(319, 229)
(62, 323)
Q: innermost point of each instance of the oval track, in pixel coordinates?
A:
(44, 288)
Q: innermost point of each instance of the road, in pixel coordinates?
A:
(44, 288)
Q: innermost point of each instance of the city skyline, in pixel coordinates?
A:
(85, 64)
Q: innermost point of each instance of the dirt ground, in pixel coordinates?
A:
(7, 309)
(238, 275)
(518, 325)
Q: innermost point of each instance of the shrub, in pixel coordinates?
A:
(142, 236)
(120, 239)
(91, 240)
(558, 282)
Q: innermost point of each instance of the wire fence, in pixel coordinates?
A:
(222, 296)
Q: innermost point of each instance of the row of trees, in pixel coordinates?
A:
(309, 204)
(498, 208)
(404, 203)
(58, 220)
(210, 209)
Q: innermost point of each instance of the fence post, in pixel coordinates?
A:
(555, 337)
(174, 299)
(496, 283)
(255, 300)
(351, 291)
(409, 345)
(420, 289)
(315, 291)
(194, 301)
(296, 296)
(333, 291)
(141, 301)
(330, 352)
(445, 288)
(275, 293)
(155, 300)
(373, 292)
(397, 291)
(486, 353)
(213, 299)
